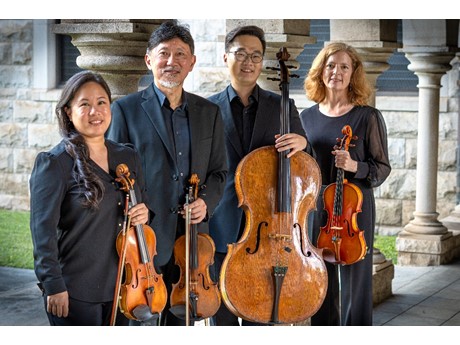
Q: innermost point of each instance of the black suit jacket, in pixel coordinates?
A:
(137, 119)
(225, 224)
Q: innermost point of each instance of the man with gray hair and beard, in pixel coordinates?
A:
(176, 134)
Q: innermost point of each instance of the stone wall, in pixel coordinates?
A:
(28, 125)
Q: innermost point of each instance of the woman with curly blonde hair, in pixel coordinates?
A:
(337, 83)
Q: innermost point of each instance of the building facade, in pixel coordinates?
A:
(413, 194)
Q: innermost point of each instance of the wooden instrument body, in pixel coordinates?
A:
(142, 284)
(272, 239)
(195, 296)
(341, 237)
(352, 247)
(201, 285)
(143, 291)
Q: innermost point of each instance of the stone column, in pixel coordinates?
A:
(290, 33)
(113, 48)
(425, 241)
(452, 222)
(375, 40)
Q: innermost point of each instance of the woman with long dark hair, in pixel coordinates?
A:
(77, 207)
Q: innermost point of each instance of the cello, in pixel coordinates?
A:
(195, 296)
(342, 201)
(143, 294)
(273, 274)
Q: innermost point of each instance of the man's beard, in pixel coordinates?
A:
(169, 83)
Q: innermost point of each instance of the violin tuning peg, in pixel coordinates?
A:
(275, 79)
(273, 68)
(295, 76)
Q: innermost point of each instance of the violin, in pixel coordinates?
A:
(143, 293)
(342, 201)
(195, 296)
(273, 274)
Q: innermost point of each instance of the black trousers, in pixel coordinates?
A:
(87, 314)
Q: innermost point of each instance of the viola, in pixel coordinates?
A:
(342, 201)
(195, 296)
(143, 293)
(273, 274)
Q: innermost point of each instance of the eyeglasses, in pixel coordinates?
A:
(242, 56)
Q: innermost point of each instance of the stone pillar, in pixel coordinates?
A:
(290, 33)
(113, 48)
(452, 222)
(425, 241)
(383, 272)
(375, 40)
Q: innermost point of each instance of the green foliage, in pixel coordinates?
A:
(16, 241)
(16, 249)
(387, 245)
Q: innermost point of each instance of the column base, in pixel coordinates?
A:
(382, 277)
(425, 223)
(452, 221)
(427, 250)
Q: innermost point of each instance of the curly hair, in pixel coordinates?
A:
(75, 145)
(359, 89)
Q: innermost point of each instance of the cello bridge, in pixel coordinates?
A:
(280, 237)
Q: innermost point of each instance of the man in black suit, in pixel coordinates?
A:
(251, 118)
(177, 134)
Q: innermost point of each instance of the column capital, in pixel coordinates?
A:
(113, 48)
(429, 62)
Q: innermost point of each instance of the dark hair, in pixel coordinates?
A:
(250, 30)
(74, 143)
(169, 30)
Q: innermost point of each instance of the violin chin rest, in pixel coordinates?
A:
(142, 313)
(179, 312)
(329, 256)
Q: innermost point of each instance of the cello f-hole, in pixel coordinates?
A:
(259, 229)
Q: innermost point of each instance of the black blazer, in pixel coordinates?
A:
(225, 224)
(75, 246)
(137, 119)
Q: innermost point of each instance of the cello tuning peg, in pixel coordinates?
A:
(275, 79)
(273, 68)
(295, 76)
(290, 66)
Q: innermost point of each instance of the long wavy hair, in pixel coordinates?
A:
(75, 145)
(359, 89)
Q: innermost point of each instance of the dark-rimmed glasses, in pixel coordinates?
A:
(242, 56)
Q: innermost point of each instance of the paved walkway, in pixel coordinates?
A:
(422, 296)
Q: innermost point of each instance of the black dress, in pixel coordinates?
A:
(371, 152)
